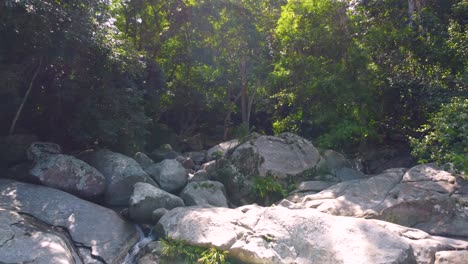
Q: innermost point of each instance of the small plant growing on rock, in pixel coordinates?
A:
(174, 248)
(267, 187)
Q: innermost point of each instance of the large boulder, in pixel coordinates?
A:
(169, 174)
(254, 234)
(143, 160)
(420, 198)
(97, 233)
(146, 198)
(121, 173)
(279, 156)
(280, 235)
(24, 239)
(69, 174)
(204, 193)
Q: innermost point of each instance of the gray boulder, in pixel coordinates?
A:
(221, 149)
(39, 150)
(24, 239)
(349, 174)
(121, 173)
(200, 175)
(169, 174)
(278, 235)
(69, 174)
(96, 232)
(335, 160)
(420, 198)
(146, 198)
(204, 193)
(282, 156)
(451, 257)
(198, 157)
(143, 160)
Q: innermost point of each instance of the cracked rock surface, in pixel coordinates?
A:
(25, 240)
(104, 235)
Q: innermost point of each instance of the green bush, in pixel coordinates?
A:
(445, 138)
(174, 248)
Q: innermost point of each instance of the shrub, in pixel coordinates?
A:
(445, 138)
(174, 248)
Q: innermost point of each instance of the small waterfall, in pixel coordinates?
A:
(131, 257)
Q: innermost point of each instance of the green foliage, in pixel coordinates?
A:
(445, 138)
(266, 186)
(173, 249)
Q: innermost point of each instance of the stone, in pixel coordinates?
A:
(157, 214)
(96, 231)
(69, 174)
(335, 160)
(121, 173)
(169, 174)
(349, 174)
(209, 167)
(24, 239)
(279, 235)
(163, 152)
(204, 193)
(419, 198)
(39, 150)
(186, 162)
(146, 198)
(221, 149)
(198, 157)
(451, 257)
(315, 186)
(282, 156)
(20, 172)
(143, 160)
(200, 175)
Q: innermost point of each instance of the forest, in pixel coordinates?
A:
(131, 75)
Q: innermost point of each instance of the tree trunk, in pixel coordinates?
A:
(411, 11)
(20, 109)
(244, 108)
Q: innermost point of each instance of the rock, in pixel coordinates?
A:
(163, 152)
(335, 160)
(221, 149)
(97, 232)
(146, 198)
(198, 157)
(39, 150)
(69, 174)
(315, 186)
(186, 162)
(209, 167)
(13, 148)
(282, 156)
(279, 235)
(20, 172)
(349, 174)
(121, 173)
(200, 175)
(451, 257)
(418, 198)
(169, 174)
(396, 155)
(23, 239)
(157, 214)
(143, 160)
(204, 193)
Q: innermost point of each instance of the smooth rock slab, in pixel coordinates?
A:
(451, 257)
(25, 240)
(89, 225)
(279, 235)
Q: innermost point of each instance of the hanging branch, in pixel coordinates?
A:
(12, 128)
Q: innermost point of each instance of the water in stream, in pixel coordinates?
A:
(132, 255)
